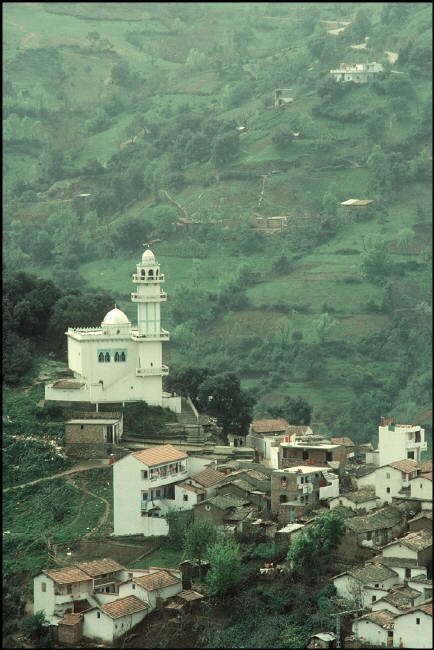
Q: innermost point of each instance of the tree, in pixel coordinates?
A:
(310, 552)
(121, 72)
(35, 626)
(225, 566)
(225, 147)
(375, 264)
(176, 528)
(282, 138)
(297, 410)
(222, 397)
(323, 326)
(186, 381)
(198, 537)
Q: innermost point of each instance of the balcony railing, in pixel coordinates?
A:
(148, 280)
(145, 372)
(162, 334)
(161, 297)
(104, 580)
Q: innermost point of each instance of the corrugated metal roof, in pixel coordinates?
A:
(99, 567)
(124, 607)
(208, 477)
(159, 455)
(157, 580)
(67, 575)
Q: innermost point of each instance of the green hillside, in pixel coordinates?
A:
(121, 119)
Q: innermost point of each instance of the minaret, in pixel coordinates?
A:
(149, 333)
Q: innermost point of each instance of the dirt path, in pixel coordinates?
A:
(81, 467)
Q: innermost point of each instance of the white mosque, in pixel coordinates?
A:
(116, 362)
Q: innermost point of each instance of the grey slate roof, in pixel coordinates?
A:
(403, 563)
(372, 573)
(224, 501)
(381, 519)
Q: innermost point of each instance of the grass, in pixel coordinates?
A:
(161, 557)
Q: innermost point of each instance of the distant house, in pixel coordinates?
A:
(421, 521)
(188, 495)
(368, 532)
(321, 452)
(265, 435)
(154, 585)
(365, 585)
(413, 628)
(398, 600)
(93, 435)
(375, 628)
(282, 97)
(112, 620)
(360, 500)
(421, 489)
(398, 441)
(406, 568)
(347, 442)
(217, 509)
(356, 203)
(295, 488)
(278, 223)
(422, 584)
(356, 72)
(416, 546)
(208, 479)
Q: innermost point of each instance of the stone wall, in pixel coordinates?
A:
(70, 635)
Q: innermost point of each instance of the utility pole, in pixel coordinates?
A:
(338, 622)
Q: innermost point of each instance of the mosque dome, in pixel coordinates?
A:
(148, 256)
(116, 317)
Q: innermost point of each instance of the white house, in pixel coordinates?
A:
(421, 489)
(153, 586)
(422, 584)
(393, 479)
(406, 568)
(208, 479)
(360, 500)
(117, 362)
(356, 72)
(188, 495)
(365, 585)
(416, 546)
(413, 629)
(375, 628)
(398, 600)
(56, 590)
(144, 489)
(112, 620)
(398, 441)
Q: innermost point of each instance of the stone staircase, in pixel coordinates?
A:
(188, 419)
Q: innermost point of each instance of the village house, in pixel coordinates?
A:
(208, 479)
(356, 72)
(217, 509)
(356, 203)
(398, 441)
(183, 603)
(406, 568)
(393, 480)
(363, 476)
(153, 586)
(274, 224)
(288, 533)
(363, 586)
(315, 451)
(365, 533)
(422, 584)
(398, 600)
(346, 442)
(294, 489)
(242, 488)
(93, 435)
(416, 546)
(282, 96)
(362, 500)
(112, 620)
(188, 495)
(421, 521)
(413, 628)
(265, 435)
(144, 489)
(57, 592)
(375, 628)
(421, 489)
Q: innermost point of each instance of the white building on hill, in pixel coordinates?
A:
(117, 362)
(398, 441)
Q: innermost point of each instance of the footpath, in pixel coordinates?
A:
(83, 466)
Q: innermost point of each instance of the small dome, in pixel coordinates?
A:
(115, 317)
(148, 256)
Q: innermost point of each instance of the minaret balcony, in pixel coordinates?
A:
(162, 334)
(147, 372)
(137, 297)
(148, 280)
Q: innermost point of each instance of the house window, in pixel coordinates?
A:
(420, 485)
(369, 535)
(374, 598)
(123, 356)
(107, 357)
(144, 473)
(328, 456)
(98, 614)
(388, 475)
(305, 455)
(388, 490)
(185, 497)
(408, 573)
(157, 493)
(410, 454)
(116, 356)
(376, 585)
(43, 587)
(101, 357)
(81, 426)
(69, 589)
(418, 621)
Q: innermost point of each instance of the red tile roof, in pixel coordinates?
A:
(425, 607)
(159, 455)
(192, 488)
(270, 426)
(427, 475)
(157, 580)
(407, 465)
(347, 442)
(67, 575)
(99, 567)
(124, 607)
(71, 619)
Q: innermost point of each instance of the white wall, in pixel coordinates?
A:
(97, 628)
(421, 488)
(365, 481)
(127, 486)
(149, 596)
(388, 477)
(351, 589)
(329, 491)
(370, 632)
(43, 601)
(192, 498)
(196, 464)
(347, 503)
(395, 443)
(51, 602)
(399, 550)
(410, 634)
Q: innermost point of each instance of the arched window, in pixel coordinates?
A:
(122, 357)
(143, 273)
(151, 273)
(107, 357)
(117, 356)
(156, 272)
(101, 357)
